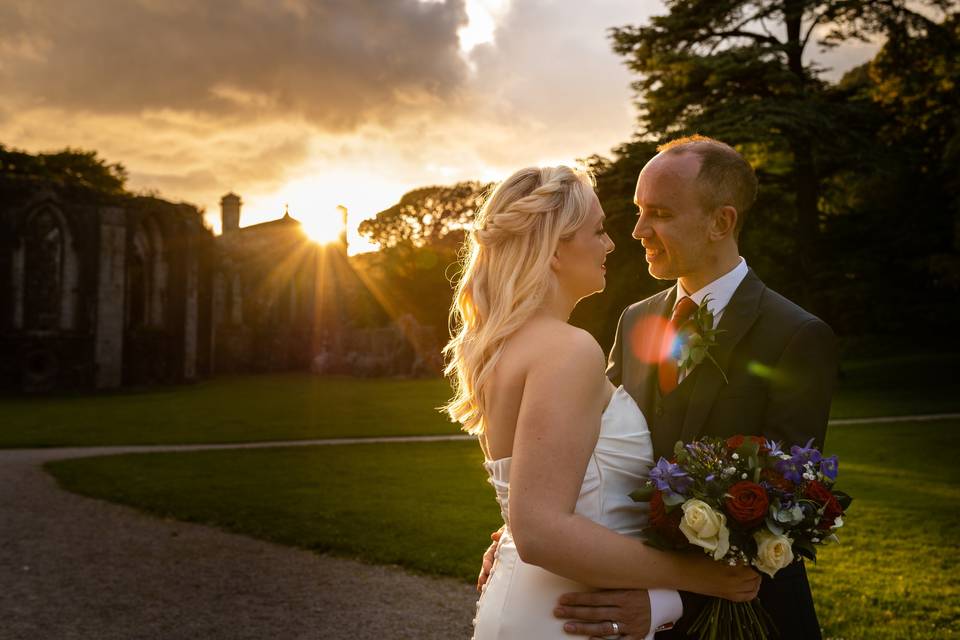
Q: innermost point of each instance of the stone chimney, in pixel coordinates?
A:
(230, 212)
(342, 210)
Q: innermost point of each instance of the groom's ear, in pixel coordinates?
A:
(724, 222)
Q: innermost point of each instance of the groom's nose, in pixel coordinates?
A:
(642, 229)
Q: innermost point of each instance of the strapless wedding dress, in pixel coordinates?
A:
(518, 600)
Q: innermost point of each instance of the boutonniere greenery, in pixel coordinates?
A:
(697, 337)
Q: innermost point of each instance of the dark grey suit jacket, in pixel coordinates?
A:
(781, 363)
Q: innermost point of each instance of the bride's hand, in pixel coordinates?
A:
(486, 567)
(738, 584)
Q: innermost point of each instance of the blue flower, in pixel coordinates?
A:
(829, 467)
(669, 478)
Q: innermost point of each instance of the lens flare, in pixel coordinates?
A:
(767, 372)
(651, 338)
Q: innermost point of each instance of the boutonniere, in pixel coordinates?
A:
(697, 337)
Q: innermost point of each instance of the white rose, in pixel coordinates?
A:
(773, 552)
(705, 527)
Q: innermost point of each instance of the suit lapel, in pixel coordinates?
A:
(738, 317)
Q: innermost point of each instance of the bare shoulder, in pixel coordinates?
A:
(559, 349)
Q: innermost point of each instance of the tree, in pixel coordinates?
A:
(916, 79)
(70, 166)
(426, 215)
(420, 239)
(737, 70)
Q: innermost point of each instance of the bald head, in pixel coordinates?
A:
(724, 177)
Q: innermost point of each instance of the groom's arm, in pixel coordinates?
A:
(802, 387)
(636, 611)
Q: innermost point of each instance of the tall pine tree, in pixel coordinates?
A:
(741, 71)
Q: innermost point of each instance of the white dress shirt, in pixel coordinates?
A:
(720, 292)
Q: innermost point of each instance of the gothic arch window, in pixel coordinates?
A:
(45, 243)
(146, 281)
(137, 287)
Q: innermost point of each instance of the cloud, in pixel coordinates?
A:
(315, 102)
(552, 74)
(336, 63)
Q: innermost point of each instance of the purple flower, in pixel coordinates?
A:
(775, 449)
(669, 478)
(790, 470)
(804, 454)
(829, 467)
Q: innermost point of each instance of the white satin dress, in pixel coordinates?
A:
(518, 600)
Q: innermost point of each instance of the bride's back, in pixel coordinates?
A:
(506, 388)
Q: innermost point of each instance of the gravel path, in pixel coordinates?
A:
(72, 567)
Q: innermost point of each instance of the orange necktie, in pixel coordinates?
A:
(667, 368)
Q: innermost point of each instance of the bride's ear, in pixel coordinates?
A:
(555, 262)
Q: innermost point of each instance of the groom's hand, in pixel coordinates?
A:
(486, 567)
(592, 614)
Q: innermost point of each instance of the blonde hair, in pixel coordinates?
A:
(506, 275)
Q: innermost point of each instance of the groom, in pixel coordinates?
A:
(780, 360)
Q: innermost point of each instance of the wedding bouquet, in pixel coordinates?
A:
(743, 501)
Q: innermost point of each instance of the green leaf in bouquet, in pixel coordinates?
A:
(643, 494)
(678, 449)
(749, 449)
(673, 499)
(805, 548)
(843, 499)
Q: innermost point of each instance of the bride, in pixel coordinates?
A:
(563, 447)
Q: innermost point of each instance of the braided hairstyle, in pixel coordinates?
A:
(506, 275)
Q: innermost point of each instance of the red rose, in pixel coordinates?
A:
(746, 503)
(667, 524)
(821, 495)
(776, 479)
(735, 442)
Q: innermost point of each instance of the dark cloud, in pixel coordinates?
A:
(338, 63)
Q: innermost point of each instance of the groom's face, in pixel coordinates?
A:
(671, 223)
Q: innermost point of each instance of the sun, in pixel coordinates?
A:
(324, 227)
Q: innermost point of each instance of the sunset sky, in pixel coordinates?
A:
(317, 103)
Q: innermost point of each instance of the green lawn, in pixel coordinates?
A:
(426, 506)
(297, 406)
(898, 385)
(237, 409)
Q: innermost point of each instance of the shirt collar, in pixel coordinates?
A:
(720, 290)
